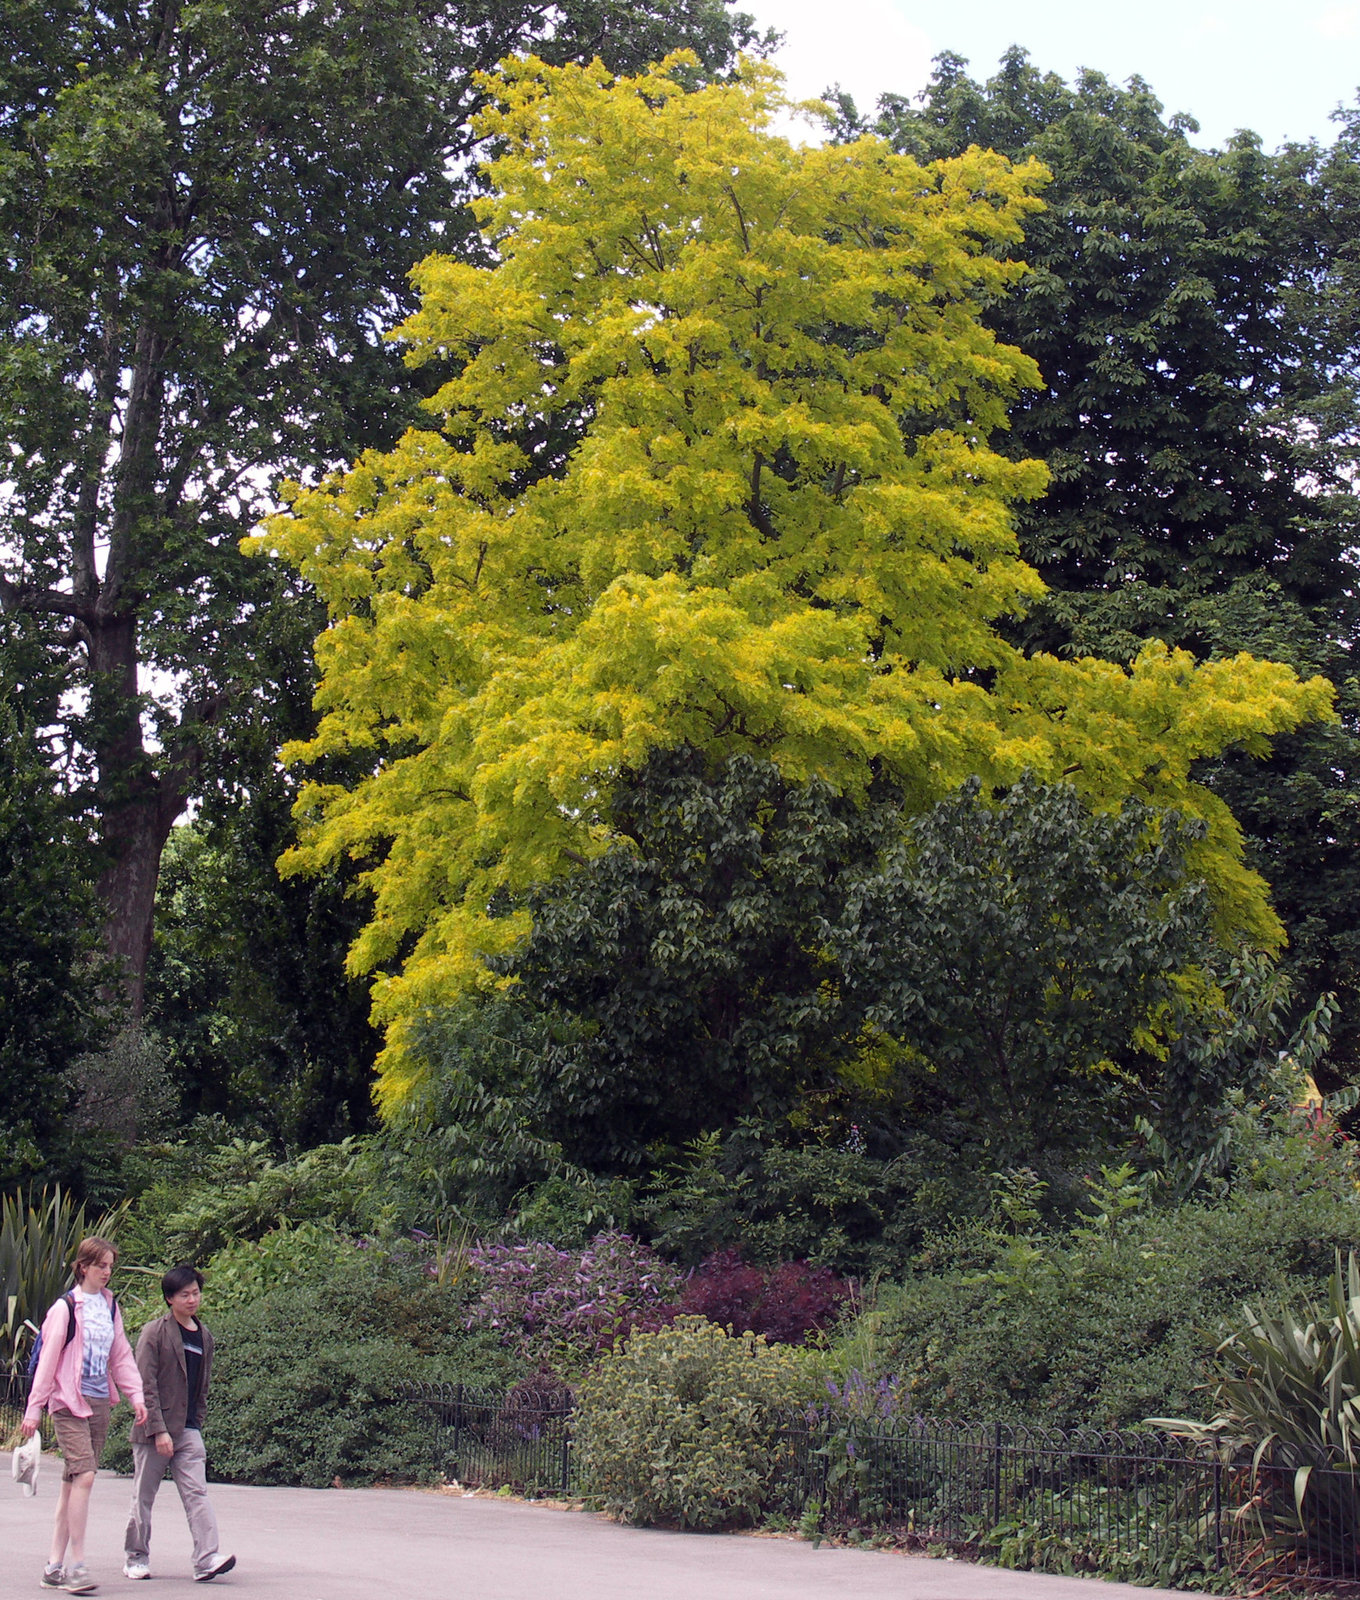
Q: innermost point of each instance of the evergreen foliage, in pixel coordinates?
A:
(1118, 1318)
(1193, 314)
(1046, 969)
(1029, 975)
(306, 1410)
(692, 956)
(247, 981)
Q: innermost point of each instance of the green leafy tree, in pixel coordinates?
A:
(758, 954)
(247, 980)
(50, 1005)
(1194, 316)
(1163, 310)
(783, 529)
(471, 1140)
(692, 955)
(208, 212)
(834, 1017)
(1050, 970)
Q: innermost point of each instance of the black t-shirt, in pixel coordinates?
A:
(193, 1367)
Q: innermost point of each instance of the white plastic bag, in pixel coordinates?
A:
(26, 1461)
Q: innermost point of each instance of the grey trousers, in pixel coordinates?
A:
(188, 1466)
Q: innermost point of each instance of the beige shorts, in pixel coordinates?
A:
(81, 1439)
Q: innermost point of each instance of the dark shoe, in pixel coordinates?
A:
(216, 1566)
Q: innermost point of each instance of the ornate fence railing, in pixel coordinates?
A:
(1140, 1505)
(13, 1399)
(521, 1440)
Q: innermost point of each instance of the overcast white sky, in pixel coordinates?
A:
(1277, 68)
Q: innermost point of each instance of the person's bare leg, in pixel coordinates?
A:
(77, 1515)
(59, 1527)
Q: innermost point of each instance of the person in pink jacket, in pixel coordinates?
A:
(78, 1381)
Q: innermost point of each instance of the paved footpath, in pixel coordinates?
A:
(352, 1544)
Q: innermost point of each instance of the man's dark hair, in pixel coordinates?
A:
(179, 1278)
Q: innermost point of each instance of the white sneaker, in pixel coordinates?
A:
(216, 1565)
(136, 1569)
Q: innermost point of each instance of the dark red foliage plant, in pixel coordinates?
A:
(786, 1303)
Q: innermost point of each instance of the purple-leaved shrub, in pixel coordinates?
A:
(563, 1307)
(785, 1303)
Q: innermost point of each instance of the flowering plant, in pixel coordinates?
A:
(569, 1305)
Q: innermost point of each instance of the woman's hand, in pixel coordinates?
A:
(139, 1411)
(28, 1429)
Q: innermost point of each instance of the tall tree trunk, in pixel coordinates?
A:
(138, 807)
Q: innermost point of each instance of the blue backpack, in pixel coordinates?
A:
(70, 1299)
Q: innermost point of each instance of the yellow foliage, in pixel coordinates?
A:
(714, 467)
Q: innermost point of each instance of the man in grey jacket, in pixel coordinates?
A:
(174, 1355)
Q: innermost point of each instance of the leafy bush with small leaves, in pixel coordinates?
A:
(470, 1137)
(784, 1303)
(1118, 1318)
(563, 1307)
(684, 1426)
(286, 1258)
(307, 1381)
(860, 1207)
(571, 1208)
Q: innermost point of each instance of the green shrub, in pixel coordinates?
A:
(321, 1184)
(833, 1205)
(1288, 1394)
(568, 1210)
(195, 1198)
(1103, 1326)
(284, 1260)
(307, 1381)
(683, 1425)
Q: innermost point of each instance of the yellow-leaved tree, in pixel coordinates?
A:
(714, 469)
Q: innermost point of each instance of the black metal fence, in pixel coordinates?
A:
(1141, 1506)
(521, 1440)
(13, 1399)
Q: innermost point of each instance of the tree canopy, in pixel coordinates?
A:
(756, 949)
(694, 957)
(1194, 315)
(1195, 413)
(247, 984)
(715, 468)
(1052, 972)
(207, 215)
(50, 1005)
